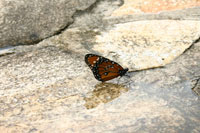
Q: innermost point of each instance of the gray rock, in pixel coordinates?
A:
(47, 87)
(27, 22)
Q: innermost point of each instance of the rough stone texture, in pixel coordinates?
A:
(138, 6)
(26, 22)
(146, 44)
(47, 87)
(136, 45)
(196, 85)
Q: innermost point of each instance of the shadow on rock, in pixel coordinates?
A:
(196, 85)
(104, 93)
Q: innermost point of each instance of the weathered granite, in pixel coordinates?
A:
(196, 84)
(27, 22)
(145, 44)
(47, 87)
(153, 6)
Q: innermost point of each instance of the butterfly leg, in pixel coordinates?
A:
(118, 80)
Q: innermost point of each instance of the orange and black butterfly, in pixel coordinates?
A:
(103, 68)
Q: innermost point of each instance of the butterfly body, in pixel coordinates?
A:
(103, 68)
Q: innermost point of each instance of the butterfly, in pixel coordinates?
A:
(103, 68)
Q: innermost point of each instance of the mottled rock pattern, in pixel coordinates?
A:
(47, 87)
(146, 44)
(26, 22)
(153, 6)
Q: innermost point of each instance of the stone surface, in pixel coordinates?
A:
(153, 6)
(196, 85)
(136, 45)
(47, 87)
(26, 22)
(146, 44)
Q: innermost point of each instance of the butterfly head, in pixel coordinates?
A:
(123, 72)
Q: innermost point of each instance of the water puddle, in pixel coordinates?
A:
(104, 93)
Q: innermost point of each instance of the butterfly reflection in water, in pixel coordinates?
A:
(103, 68)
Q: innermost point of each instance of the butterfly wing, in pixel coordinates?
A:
(91, 60)
(103, 68)
(108, 69)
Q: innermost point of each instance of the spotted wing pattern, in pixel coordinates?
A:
(103, 68)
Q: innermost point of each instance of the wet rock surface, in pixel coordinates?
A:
(47, 87)
(40, 92)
